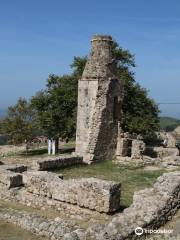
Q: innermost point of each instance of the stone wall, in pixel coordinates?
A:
(161, 152)
(122, 147)
(99, 104)
(18, 168)
(92, 193)
(151, 208)
(59, 162)
(138, 148)
(54, 229)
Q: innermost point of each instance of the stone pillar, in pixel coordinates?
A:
(138, 147)
(99, 101)
(122, 147)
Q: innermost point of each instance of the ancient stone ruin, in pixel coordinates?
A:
(98, 137)
(151, 208)
(99, 104)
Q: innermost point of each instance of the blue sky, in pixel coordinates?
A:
(39, 37)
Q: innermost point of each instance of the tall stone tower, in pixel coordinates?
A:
(99, 103)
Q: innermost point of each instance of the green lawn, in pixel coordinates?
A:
(132, 178)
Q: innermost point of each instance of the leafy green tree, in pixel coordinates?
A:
(18, 124)
(56, 108)
(140, 113)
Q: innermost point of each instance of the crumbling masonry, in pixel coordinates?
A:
(99, 104)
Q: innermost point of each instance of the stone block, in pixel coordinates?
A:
(59, 162)
(11, 179)
(41, 182)
(122, 147)
(138, 148)
(92, 193)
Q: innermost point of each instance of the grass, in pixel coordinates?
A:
(10, 232)
(65, 148)
(132, 178)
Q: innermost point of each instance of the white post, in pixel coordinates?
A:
(49, 146)
(53, 147)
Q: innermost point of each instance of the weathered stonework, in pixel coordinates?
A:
(122, 147)
(151, 208)
(138, 148)
(99, 104)
(130, 146)
(17, 168)
(53, 229)
(58, 162)
(92, 193)
(10, 179)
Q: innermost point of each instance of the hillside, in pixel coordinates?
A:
(168, 123)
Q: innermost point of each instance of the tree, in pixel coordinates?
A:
(18, 124)
(140, 113)
(56, 109)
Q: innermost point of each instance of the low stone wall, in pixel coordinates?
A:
(59, 162)
(18, 168)
(40, 183)
(161, 152)
(151, 209)
(92, 193)
(53, 229)
(173, 161)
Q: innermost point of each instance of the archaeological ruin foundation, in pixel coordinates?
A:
(77, 201)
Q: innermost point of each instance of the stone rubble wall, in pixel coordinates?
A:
(122, 147)
(53, 229)
(92, 193)
(17, 168)
(40, 183)
(59, 162)
(99, 103)
(173, 161)
(103, 130)
(138, 147)
(151, 208)
(21, 196)
(162, 152)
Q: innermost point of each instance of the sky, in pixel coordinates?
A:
(40, 37)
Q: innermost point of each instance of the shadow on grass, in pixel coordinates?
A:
(34, 152)
(42, 151)
(66, 150)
